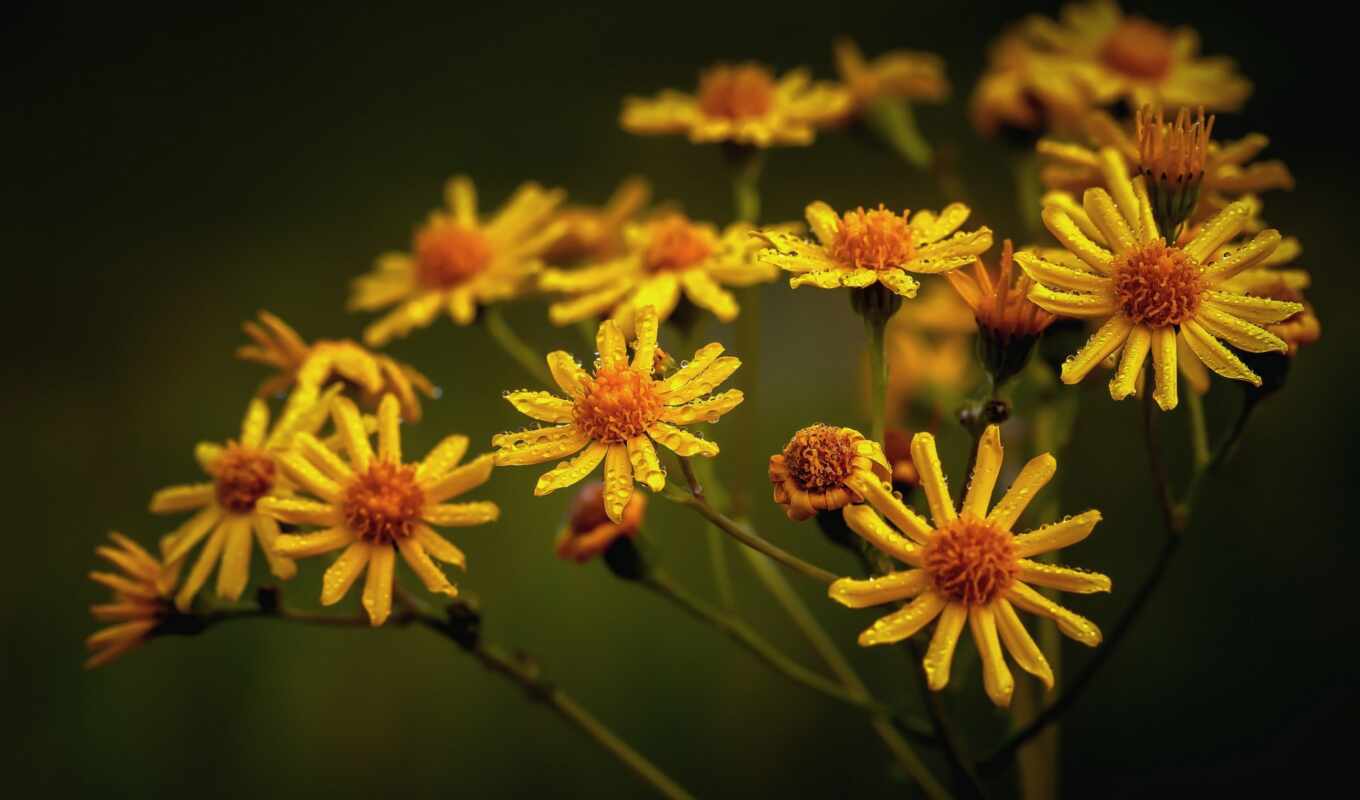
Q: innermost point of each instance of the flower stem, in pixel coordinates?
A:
(878, 377)
(717, 555)
(747, 164)
(514, 346)
(892, 119)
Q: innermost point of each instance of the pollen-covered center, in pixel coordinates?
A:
(971, 561)
(244, 475)
(676, 243)
(1158, 285)
(1139, 48)
(736, 92)
(877, 239)
(617, 405)
(383, 503)
(820, 457)
(448, 254)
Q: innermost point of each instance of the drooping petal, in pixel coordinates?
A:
(342, 574)
(940, 655)
(1063, 579)
(235, 570)
(1108, 338)
(820, 279)
(929, 228)
(899, 283)
(1057, 535)
(996, 676)
(182, 498)
(1239, 333)
(1215, 356)
(931, 473)
(618, 481)
(192, 532)
(881, 497)
(1136, 346)
(985, 471)
(453, 483)
(1070, 623)
(905, 622)
(1164, 368)
(1033, 477)
(462, 514)
(429, 573)
(1073, 304)
(439, 547)
(571, 471)
(682, 442)
(1019, 643)
(207, 559)
(863, 521)
(377, 599)
(855, 593)
(646, 466)
(302, 545)
(267, 534)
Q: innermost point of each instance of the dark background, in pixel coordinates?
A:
(169, 174)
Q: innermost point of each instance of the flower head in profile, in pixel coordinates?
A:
(458, 261)
(812, 474)
(1277, 279)
(593, 234)
(899, 75)
(372, 505)
(141, 586)
(1111, 56)
(967, 566)
(589, 531)
(616, 413)
(743, 104)
(1025, 89)
(369, 374)
(242, 472)
(1008, 323)
(1150, 294)
(664, 258)
(862, 248)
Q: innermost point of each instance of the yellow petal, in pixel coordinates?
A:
(880, 496)
(453, 483)
(429, 573)
(1230, 263)
(267, 534)
(927, 461)
(1108, 338)
(1136, 346)
(705, 293)
(703, 359)
(567, 373)
(192, 532)
(609, 342)
(389, 429)
(899, 283)
(1072, 624)
(1066, 231)
(932, 228)
(1033, 477)
(1063, 578)
(1071, 304)
(1145, 227)
(618, 481)
(588, 305)
(1260, 310)
(541, 406)
(323, 458)
(646, 466)
(644, 346)
(822, 279)
(1164, 367)
(1048, 273)
(1222, 227)
(235, 569)
(1020, 644)
(855, 593)
(382, 562)
(461, 196)
(342, 574)
(985, 472)
(823, 221)
(301, 472)
(255, 425)
(203, 567)
(996, 676)
(1101, 208)
(682, 442)
(351, 428)
(535, 448)
(1214, 355)
(1239, 333)
(444, 457)
(182, 498)
(709, 409)
(462, 514)
(302, 545)
(1057, 535)
(905, 622)
(703, 383)
(439, 547)
(940, 655)
(571, 471)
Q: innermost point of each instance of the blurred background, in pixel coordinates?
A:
(169, 175)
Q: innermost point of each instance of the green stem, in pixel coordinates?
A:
(748, 163)
(514, 346)
(1199, 431)
(894, 122)
(1029, 191)
(878, 376)
(717, 554)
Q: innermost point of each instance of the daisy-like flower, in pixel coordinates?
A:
(595, 234)
(969, 567)
(1008, 323)
(372, 505)
(301, 364)
(615, 414)
(243, 472)
(1176, 155)
(1112, 56)
(141, 599)
(900, 75)
(589, 531)
(1149, 293)
(812, 473)
(743, 104)
(663, 258)
(862, 247)
(459, 261)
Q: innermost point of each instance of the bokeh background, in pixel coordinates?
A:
(169, 174)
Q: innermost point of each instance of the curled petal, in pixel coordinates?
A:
(1020, 644)
(1070, 623)
(567, 373)
(1063, 578)
(1214, 355)
(429, 572)
(705, 382)
(703, 358)
(646, 466)
(342, 574)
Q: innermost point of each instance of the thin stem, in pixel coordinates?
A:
(1199, 431)
(959, 763)
(748, 163)
(892, 119)
(744, 535)
(878, 374)
(515, 347)
(717, 555)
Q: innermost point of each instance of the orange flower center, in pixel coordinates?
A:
(617, 405)
(1140, 49)
(740, 92)
(877, 239)
(448, 254)
(676, 243)
(244, 475)
(1157, 286)
(383, 504)
(820, 457)
(971, 561)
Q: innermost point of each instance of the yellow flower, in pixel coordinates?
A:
(243, 472)
(1111, 57)
(617, 412)
(813, 472)
(1301, 328)
(1025, 89)
(969, 567)
(664, 257)
(903, 74)
(373, 505)
(589, 531)
(596, 234)
(372, 374)
(1225, 168)
(1000, 304)
(862, 247)
(1151, 294)
(743, 104)
(141, 599)
(459, 261)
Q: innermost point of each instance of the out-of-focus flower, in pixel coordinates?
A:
(1025, 89)
(141, 599)
(1008, 323)
(896, 75)
(743, 104)
(370, 374)
(1275, 280)
(930, 349)
(663, 258)
(1149, 293)
(459, 261)
(617, 412)
(811, 474)
(968, 566)
(243, 472)
(863, 248)
(897, 449)
(595, 234)
(589, 530)
(373, 505)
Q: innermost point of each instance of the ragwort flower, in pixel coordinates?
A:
(900, 74)
(1151, 294)
(862, 247)
(1008, 323)
(596, 234)
(617, 412)
(372, 505)
(743, 104)
(812, 473)
(969, 567)
(459, 261)
(141, 599)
